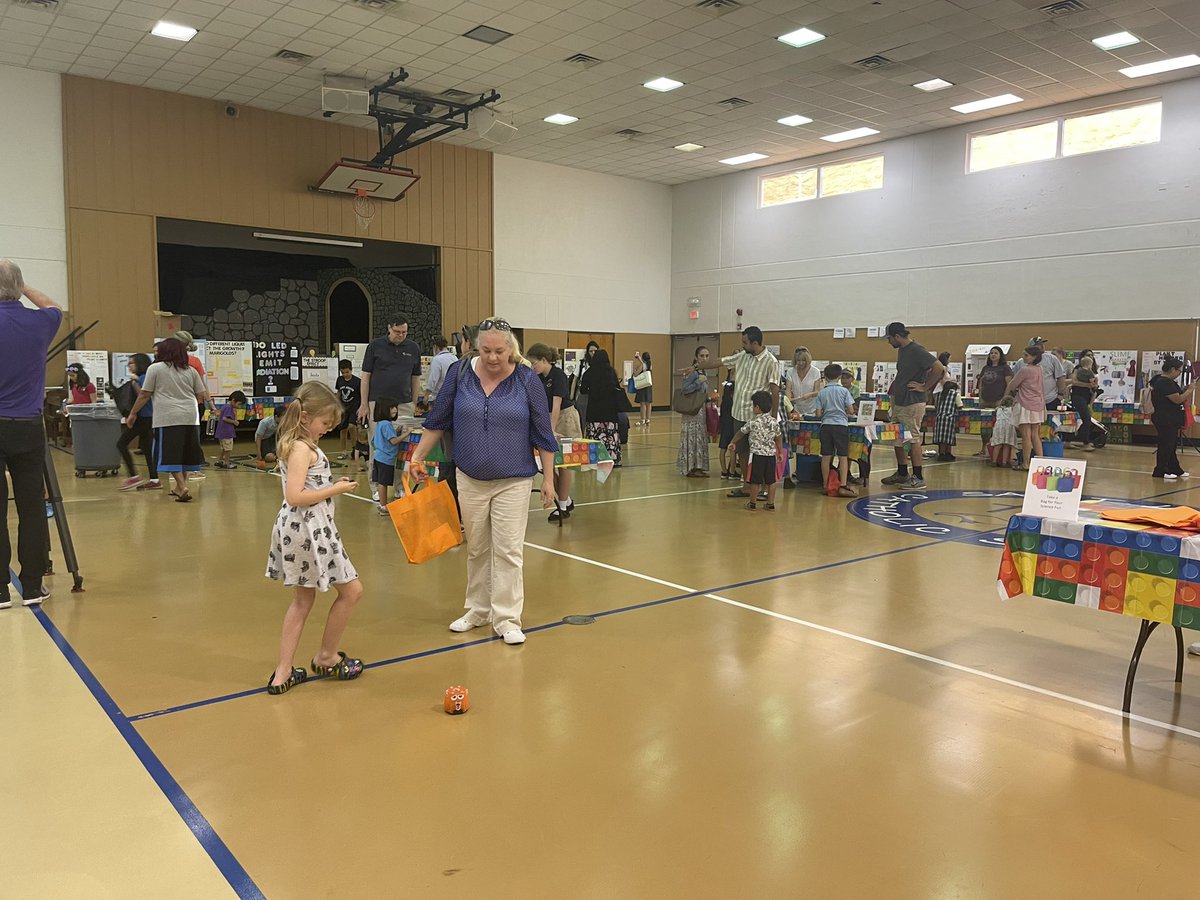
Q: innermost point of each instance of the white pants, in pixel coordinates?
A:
(495, 514)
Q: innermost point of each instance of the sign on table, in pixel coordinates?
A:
(1054, 488)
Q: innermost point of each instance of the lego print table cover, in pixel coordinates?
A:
(587, 456)
(1135, 570)
(804, 437)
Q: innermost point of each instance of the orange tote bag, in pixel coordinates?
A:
(426, 521)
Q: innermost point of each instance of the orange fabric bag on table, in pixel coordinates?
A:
(426, 520)
(1180, 517)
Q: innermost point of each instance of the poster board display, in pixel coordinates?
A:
(319, 368)
(354, 353)
(1152, 363)
(119, 368)
(95, 363)
(1116, 373)
(571, 362)
(230, 367)
(882, 376)
(276, 368)
(1053, 488)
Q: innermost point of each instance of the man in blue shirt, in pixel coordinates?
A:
(25, 336)
(391, 367)
(443, 359)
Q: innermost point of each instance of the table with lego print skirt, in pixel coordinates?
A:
(587, 456)
(1144, 572)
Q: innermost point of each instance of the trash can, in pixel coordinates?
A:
(95, 428)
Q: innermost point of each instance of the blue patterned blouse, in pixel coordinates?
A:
(494, 437)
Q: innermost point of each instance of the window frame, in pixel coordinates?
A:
(818, 168)
(1061, 121)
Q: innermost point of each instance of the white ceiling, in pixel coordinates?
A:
(985, 47)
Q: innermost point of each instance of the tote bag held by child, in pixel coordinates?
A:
(426, 521)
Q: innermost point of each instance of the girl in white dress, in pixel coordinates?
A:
(306, 551)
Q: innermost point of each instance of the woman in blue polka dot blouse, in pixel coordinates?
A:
(495, 408)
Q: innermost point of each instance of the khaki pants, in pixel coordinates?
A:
(495, 514)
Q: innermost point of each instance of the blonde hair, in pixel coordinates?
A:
(801, 355)
(514, 346)
(312, 400)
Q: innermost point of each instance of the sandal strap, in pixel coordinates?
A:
(346, 668)
(298, 676)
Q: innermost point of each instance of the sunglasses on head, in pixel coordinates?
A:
(495, 325)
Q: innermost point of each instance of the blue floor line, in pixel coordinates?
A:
(226, 863)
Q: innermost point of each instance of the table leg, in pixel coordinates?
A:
(1178, 655)
(1143, 635)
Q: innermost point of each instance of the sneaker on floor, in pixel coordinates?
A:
(130, 484)
(465, 623)
(1170, 476)
(914, 483)
(1194, 650)
(1185, 474)
(152, 485)
(895, 478)
(375, 495)
(383, 510)
(38, 596)
(513, 636)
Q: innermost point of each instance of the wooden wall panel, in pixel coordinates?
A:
(131, 149)
(111, 258)
(466, 287)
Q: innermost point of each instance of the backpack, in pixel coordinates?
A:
(1147, 400)
(125, 396)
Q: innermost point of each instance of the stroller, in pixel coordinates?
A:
(1099, 434)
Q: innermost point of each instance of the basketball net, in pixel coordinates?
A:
(364, 209)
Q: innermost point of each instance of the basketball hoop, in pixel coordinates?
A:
(364, 209)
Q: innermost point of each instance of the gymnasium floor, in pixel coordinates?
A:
(794, 704)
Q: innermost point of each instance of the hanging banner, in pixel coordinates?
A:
(230, 367)
(276, 368)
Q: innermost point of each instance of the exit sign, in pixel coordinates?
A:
(693, 313)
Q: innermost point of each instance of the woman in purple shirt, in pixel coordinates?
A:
(495, 407)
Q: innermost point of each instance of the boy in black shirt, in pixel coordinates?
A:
(349, 388)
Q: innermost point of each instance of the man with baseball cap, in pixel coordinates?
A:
(917, 374)
(1054, 373)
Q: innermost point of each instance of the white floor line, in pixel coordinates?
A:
(912, 654)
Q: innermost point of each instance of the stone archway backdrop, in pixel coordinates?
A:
(389, 296)
(296, 312)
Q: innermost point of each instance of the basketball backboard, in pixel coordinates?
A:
(377, 182)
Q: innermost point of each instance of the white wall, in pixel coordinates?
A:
(33, 229)
(577, 250)
(1104, 236)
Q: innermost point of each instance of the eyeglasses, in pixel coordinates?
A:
(495, 324)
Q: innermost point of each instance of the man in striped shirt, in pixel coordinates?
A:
(754, 369)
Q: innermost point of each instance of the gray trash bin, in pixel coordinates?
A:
(95, 429)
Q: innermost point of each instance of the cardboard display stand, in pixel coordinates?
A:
(276, 368)
(1116, 372)
(882, 376)
(1152, 363)
(319, 368)
(230, 367)
(95, 363)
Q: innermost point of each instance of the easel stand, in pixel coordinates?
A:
(54, 497)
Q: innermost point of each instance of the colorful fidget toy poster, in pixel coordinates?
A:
(1054, 488)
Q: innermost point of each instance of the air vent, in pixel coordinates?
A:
(630, 133)
(733, 102)
(718, 7)
(38, 4)
(1063, 8)
(294, 56)
(872, 62)
(456, 94)
(381, 6)
(487, 34)
(582, 59)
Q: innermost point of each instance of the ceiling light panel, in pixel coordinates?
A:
(801, 37)
(933, 84)
(1165, 65)
(689, 148)
(744, 158)
(561, 119)
(663, 84)
(793, 121)
(1116, 41)
(986, 103)
(173, 31)
(850, 135)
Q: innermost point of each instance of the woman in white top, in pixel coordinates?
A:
(176, 388)
(803, 383)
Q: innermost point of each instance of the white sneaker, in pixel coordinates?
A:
(1194, 650)
(43, 594)
(514, 636)
(1170, 477)
(375, 495)
(466, 623)
(1185, 474)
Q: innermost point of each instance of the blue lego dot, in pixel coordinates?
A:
(1072, 550)
(1143, 540)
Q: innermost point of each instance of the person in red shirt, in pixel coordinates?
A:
(82, 389)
